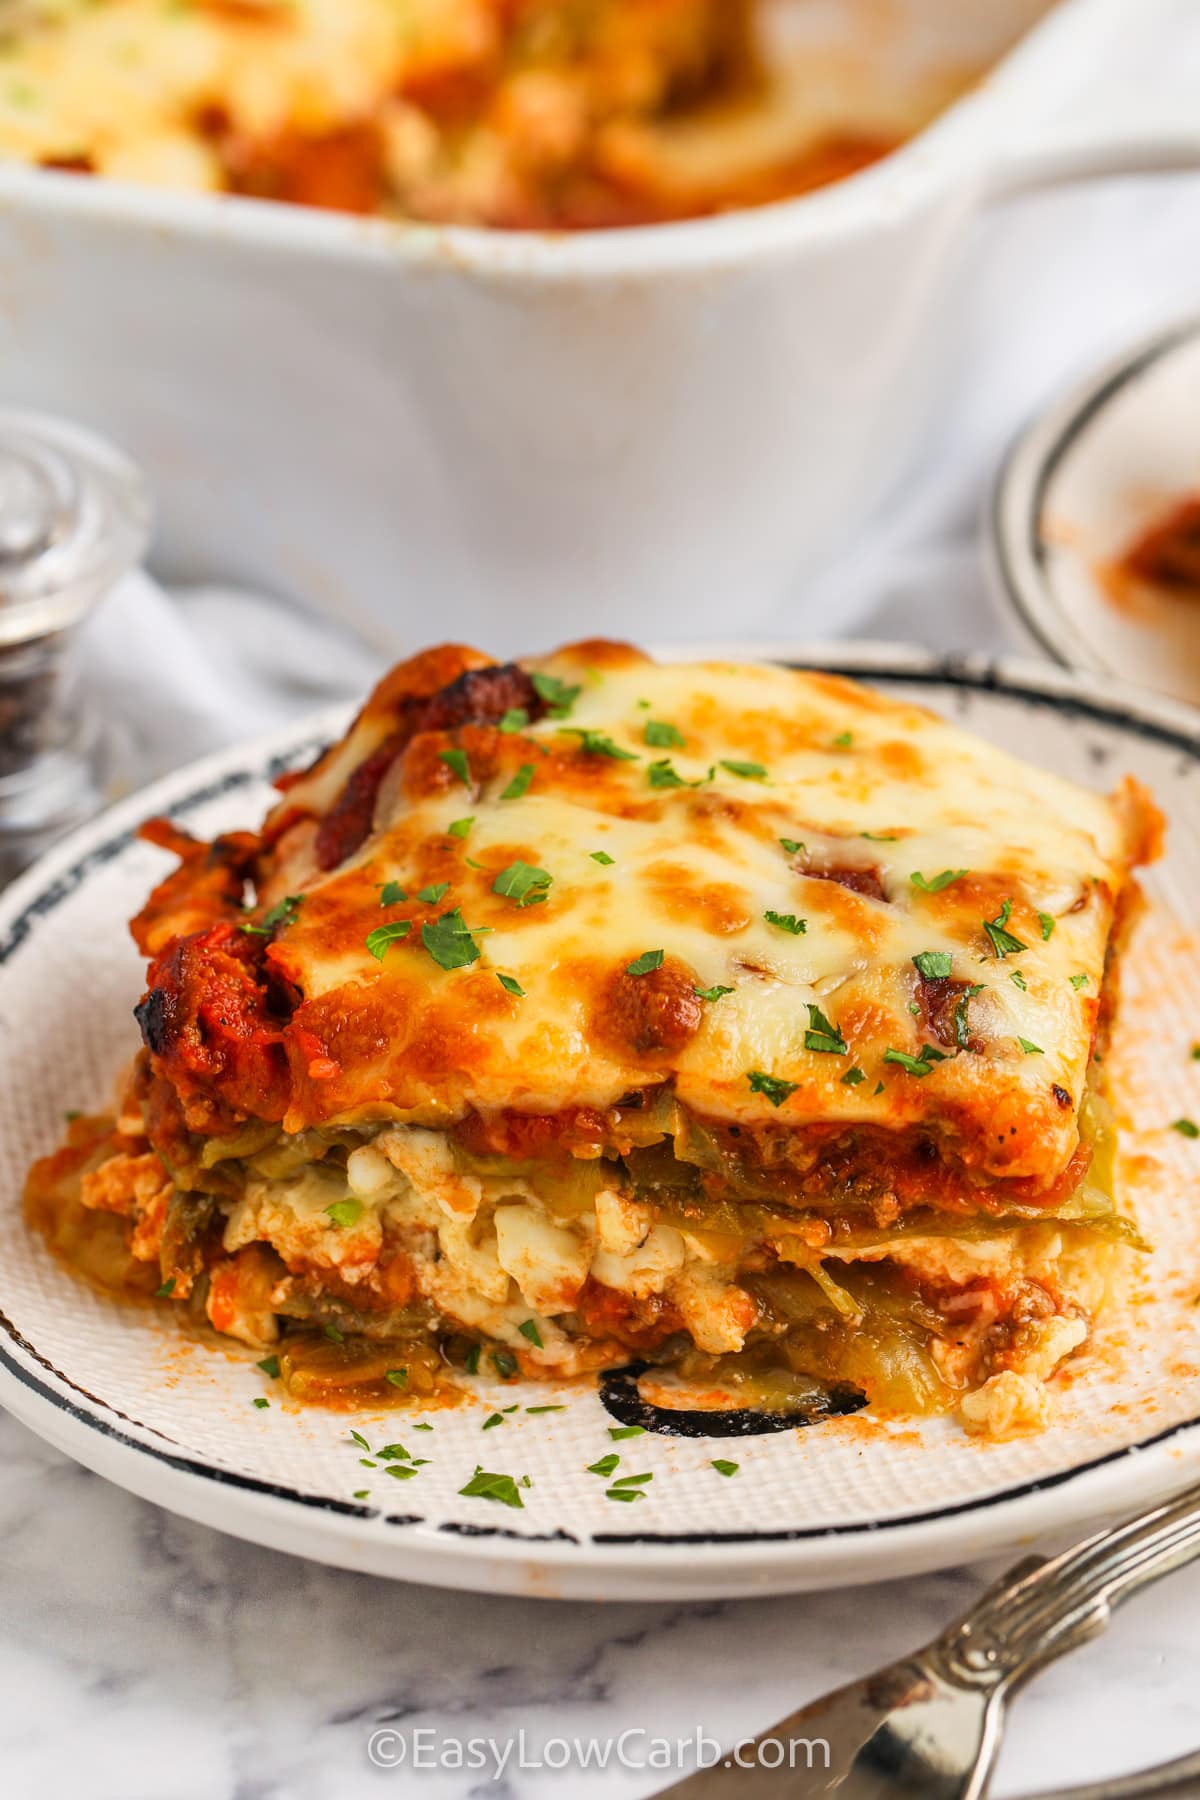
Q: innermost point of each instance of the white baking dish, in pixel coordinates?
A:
(517, 438)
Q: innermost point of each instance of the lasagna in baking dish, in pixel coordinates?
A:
(728, 1019)
(510, 113)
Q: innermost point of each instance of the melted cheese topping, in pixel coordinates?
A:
(852, 786)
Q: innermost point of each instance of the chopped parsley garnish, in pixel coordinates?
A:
(260, 1402)
(915, 1065)
(880, 837)
(793, 846)
(598, 743)
(422, 1426)
(471, 1360)
(511, 985)
(1018, 980)
(72, 1113)
(504, 1363)
(400, 1471)
(661, 736)
(1002, 941)
(605, 1466)
(429, 896)
(646, 963)
(914, 1009)
(269, 1366)
(664, 775)
(787, 922)
(492, 1420)
(449, 941)
(365, 1462)
(625, 1493)
(166, 1290)
(775, 1090)
(822, 1035)
(962, 1026)
(559, 698)
(725, 1468)
(533, 1411)
(344, 1212)
(457, 760)
(522, 882)
(1078, 981)
(515, 719)
(936, 882)
(602, 857)
(385, 935)
(334, 1335)
(749, 771)
(626, 1481)
(933, 965)
(853, 1077)
(878, 1089)
(1029, 1048)
(529, 1330)
(361, 1493)
(282, 913)
(360, 1440)
(1047, 921)
(393, 1453)
(1186, 1128)
(618, 1432)
(519, 784)
(1196, 1052)
(460, 827)
(391, 893)
(712, 993)
(843, 740)
(397, 1378)
(484, 1485)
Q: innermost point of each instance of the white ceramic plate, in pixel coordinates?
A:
(121, 1388)
(1079, 487)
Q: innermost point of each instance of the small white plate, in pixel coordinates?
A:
(121, 1388)
(1078, 489)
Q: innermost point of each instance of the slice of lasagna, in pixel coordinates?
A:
(730, 1019)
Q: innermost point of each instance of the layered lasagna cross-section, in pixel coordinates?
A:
(727, 1019)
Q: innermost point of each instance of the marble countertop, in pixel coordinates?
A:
(146, 1658)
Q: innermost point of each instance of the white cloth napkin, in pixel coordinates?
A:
(1056, 283)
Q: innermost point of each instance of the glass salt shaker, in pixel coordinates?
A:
(74, 517)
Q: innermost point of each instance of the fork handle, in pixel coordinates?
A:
(1041, 1609)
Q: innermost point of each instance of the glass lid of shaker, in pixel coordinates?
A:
(74, 516)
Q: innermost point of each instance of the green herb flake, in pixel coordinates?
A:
(366, 1462)
(491, 1421)
(511, 985)
(749, 771)
(449, 941)
(725, 1468)
(361, 1493)
(616, 1493)
(422, 1426)
(624, 1481)
(1047, 921)
(166, 1290)
(962, 1025)
(456, 760)
(822, 1035)
(504, 1363)
(602, 857)
(270, 1367)
(646, 963)
(1186, 1128)
(853, 1077)
(429, 896)
(519, 784)
(661, 736)
(1002, 941)
(843, 740)
(1078, 981)
(605, 1466)
(401, 1471)
(522, 882)
(459, 828)
(344, 1213)
(535, 1411)
(393, 1453)
(619, 1432)
(663, 774)
(787, 922)
(1196, 1052)
(260, 1403)
(380, 940)
(933, 965)
(397, 1378)
(515, 719)
(557, 695)
(880, 837)
(936, 883)
(712, 993)
(282, 913)
(334, 1335)
(391, 894)
(471, 1360)
(357, 1438)
(914, 1065)
(598, 743)
(1029, 1048)
(529, 1330)
(484, 1485)
(793, 846)
(775, 1090)
(72, 1113)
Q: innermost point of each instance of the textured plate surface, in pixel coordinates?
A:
(121, 1388)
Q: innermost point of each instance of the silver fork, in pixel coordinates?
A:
(928, 1727)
